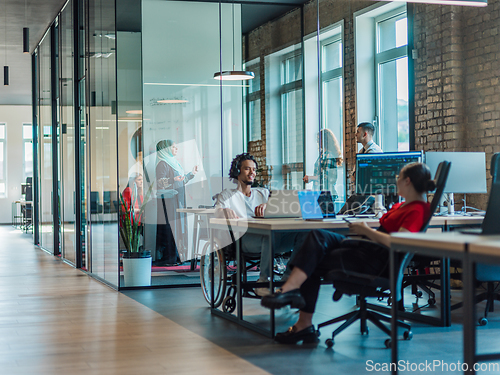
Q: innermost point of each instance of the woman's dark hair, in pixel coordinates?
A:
(235, 169)
(420, 176)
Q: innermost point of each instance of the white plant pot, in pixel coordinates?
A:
(137, 271)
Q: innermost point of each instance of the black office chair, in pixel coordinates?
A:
(95, 205)
(365, 285)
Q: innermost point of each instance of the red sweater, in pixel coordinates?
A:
(410, 216)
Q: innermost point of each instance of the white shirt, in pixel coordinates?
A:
(370, 148)
(242, 205)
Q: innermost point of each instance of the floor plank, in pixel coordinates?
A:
(57, 320)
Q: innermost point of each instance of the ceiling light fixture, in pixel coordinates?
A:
(470, 3)
(134, 112)
(172, 101)
(230, 75)
(26, 32)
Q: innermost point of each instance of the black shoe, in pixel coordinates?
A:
(307, 336)
(278, 300)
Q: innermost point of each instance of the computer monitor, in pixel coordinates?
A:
(376, 173)
(467, 172)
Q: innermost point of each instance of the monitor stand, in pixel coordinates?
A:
(450, 202)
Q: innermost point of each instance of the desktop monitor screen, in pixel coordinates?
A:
(376, 173)
(467, 172)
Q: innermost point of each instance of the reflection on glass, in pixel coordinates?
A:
(102, 141)
(67, 136)
(45, 124)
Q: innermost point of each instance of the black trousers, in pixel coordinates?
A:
(323, 251)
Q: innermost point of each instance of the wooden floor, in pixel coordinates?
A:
(56, 320)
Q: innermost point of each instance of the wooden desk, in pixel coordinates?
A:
(448, 245)
(267, 228)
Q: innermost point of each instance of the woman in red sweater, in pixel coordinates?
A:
(323, 251)
(133, 193)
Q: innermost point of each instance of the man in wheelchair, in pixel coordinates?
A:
(244, 202)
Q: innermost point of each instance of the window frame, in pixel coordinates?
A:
(3, 141)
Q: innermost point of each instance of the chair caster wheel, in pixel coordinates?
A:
(388, 343)
(366, 331)
(483, 321)
(229, 304)
(431, 301)
(329, 343)
(408, 335)
(419, 294)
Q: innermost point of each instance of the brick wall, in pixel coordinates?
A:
(457, 91)
(457, 96)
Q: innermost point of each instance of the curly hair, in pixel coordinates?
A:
(235, 169)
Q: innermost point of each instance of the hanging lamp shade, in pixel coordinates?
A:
(26, 40)
(234, 75)
(6, 76)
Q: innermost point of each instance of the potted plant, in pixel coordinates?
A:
(136, 261)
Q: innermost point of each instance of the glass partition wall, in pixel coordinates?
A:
(157, 133)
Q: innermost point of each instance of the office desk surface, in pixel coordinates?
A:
(426, 242)
(287, 224)
(197, 210)
(486, 246)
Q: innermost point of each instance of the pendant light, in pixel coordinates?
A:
(26, 32)
(230, 75)
(6, 68)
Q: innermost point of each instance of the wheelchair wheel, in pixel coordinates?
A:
(220, 274)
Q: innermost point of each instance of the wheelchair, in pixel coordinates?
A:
(225, 274)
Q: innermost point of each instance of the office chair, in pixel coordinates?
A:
(365, 285)
(95, 205)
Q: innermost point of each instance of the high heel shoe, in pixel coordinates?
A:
(291, 336)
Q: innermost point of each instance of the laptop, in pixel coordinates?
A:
(492, 217)
(282, 204)
(316, 205)
(358, 205)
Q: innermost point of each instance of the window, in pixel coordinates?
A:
(3, 160)
(291, 119)
(381, 65)
(332, 112)
(253, 98)
(291, 108)
(27, 150)
(392, 82)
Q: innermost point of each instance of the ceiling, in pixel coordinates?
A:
(37, 15)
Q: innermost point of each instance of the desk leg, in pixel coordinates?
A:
(469, 314)
(271, 282)
(445, 293)
(394, 311)
(195, 242)
(239, 297)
